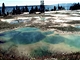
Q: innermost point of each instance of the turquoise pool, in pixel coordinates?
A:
(30, 35)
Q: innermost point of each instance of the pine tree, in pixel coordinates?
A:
(3, 9)
(60, 7)
(0, 12)
(54, 8)
(42, 8)
(13, 11)
(7, 13)
(36, 9)
(75, 6)
(22, 9)
(26, 9)
(32, 10)
(18, 11)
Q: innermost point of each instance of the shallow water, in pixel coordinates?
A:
(23, 36)
(73, 40)
(31, 36)
(77, 26)
(54, 39)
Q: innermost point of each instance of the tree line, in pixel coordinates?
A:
(75, 6)
(19, 10)
(33, 10)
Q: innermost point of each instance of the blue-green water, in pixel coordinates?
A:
(54, 39)
(23, 36)
(74, 41)
(29, 35)
(77, 26)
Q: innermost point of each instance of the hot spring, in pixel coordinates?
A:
(30, 38)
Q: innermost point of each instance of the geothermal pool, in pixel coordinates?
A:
(29, 38)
